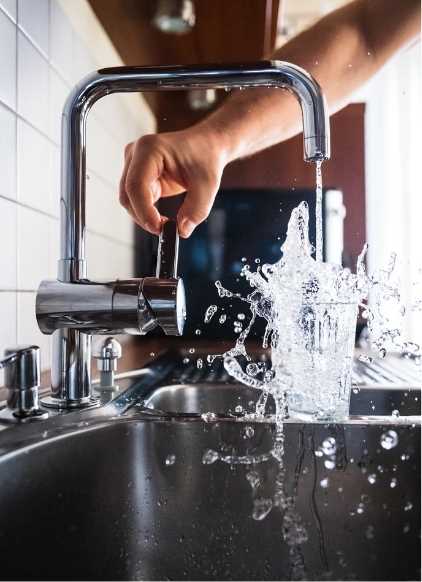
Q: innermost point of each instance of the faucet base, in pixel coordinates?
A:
(64, 404)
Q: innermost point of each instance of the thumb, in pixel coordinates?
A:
(197, 204)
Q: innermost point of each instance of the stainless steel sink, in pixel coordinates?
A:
(122, 493)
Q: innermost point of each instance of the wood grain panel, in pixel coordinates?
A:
(225, 31)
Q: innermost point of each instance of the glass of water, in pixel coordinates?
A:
(314, 357)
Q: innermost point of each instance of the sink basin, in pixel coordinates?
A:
(101, 495)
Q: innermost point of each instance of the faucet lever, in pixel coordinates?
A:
(168, 251)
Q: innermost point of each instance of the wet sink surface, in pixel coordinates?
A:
(123, 493)
(104, 502)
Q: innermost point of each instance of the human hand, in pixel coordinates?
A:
(167, 164)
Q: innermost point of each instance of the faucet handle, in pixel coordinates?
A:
(168, 251)
(165, 293)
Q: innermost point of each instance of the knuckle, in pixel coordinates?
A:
(128, 148)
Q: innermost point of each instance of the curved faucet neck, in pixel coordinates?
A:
(72, 266)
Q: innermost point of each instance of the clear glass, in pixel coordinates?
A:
(316, 351)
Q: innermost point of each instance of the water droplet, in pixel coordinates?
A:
(395, 413)
(406, 528)
(408, 506)
(370, 532)
(257, 261)
(393, 483)
(191, 350)
(170, 459)
(249, 431)
(252, 369)
(389, 439)
(210, 457)
(261, 508)
(356, 390)
(198, 332)
(210, 312)
(372, 478)
(329, 464)
(152, 354)
(239, 409)
(244, 259)
(222, 318)
(365, 358)
(186, 361)
(360, 508)
(253, 478)
(199, 363)
(329, 446)
(382, 353)
(319, 453)
(209, 417)
(405, 457)
(241, 316)
(324, 483)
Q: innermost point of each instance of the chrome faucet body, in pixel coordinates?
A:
(72, 308)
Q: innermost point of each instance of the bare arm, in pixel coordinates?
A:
(342, 51)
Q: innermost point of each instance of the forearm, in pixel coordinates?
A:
(342, 51)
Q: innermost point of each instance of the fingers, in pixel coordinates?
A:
(197, 204)
(139, 185)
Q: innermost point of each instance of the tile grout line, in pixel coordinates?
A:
(16, 172)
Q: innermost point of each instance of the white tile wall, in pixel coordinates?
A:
(41, 57)
(10, 7)
(7, 152)
(33, 19)
(7, 60)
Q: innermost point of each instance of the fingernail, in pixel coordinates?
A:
(186, 227)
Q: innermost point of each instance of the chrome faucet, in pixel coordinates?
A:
(72, 307)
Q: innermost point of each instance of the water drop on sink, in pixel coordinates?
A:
(209, 417)
(249, 432)
(329, 446)
(393, 483)
(253, 478)
(408, 506)
(210, 457)
(395, 413)
(372, 478)
(329, 464)
(261, 508)
(170, 460)
(389, 439)
(324, 483)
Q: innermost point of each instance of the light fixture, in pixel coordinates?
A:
(174, 16)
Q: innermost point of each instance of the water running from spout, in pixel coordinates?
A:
(318, 214)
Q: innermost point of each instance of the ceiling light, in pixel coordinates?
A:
(174, 16)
